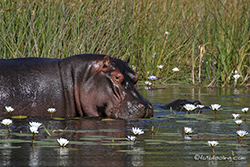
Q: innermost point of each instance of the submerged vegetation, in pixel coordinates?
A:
(207, 40)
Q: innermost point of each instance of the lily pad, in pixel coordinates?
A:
(58, 118)
(21, 134)
(168, 134)
(109, 130)
(19, 117)
(9, 147)
(14, 141)
(116, 144)
(185, 121)
(91, 139)
(108, 119)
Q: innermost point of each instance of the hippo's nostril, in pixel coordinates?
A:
(141, 105)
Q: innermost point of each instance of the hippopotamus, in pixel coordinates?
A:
(179, 103)
(91, 85)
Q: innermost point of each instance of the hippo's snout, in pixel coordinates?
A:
(148, 110)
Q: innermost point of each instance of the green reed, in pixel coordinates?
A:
(58, 29)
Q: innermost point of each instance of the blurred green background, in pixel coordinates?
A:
(206, 39)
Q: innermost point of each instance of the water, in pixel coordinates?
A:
(97, 142)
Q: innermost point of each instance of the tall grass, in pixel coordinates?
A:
(207, 40)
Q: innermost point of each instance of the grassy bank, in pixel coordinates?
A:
(206, 40)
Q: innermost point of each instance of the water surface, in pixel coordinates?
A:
(97, 142)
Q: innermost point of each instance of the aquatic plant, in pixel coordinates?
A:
(7, 122)
(137, 131)
(238, 122)
(35, 124)
(212, 144)
(152, 78)
(34, 130)
(148, 84)
(245, 111)
(9, 109)
(51, 111)
(160, 66)
(188, 130)
(62, 142)
(241, 134)
(215, 108)
(236, 77)
(132, 139)
(236, 116)
(189, 107)
(199, 107)
(175, 69)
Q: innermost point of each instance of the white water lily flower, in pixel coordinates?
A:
(131, 138)
(137, 131)
(236, 76)
(175, 69)
(51, 110)
(34, 129)
(148, 83)
(199, 106)
(241, 133)
(244, 109)
(6, 122)
(9, 109)
(238, 122)
(35, 124)
(213, 143)
(152, 78)
(189, 107)
(236, 116)
(62, 142)
(188, 130)
(160, 66)
(215, 107)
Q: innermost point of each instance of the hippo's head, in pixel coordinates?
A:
(109, 90)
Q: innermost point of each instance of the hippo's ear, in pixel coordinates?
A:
(106, 64)
(128, 59)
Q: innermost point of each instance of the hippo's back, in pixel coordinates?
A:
(25, 81)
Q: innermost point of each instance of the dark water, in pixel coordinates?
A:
(96, 142)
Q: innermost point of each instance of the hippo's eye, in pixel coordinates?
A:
(117, 77)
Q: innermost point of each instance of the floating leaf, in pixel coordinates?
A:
(9, 147)
(109, 130)
(116, 144)
(154, 140)
(186, 121)
(108, 119)
(58, 118)
(168, 134)
(21, 134)
(91, 139)
(19, 117)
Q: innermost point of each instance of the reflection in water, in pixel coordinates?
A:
(137, 156)
(96, 142)
(213, 163)
(63, 156)
(6, 154)
(34, 156)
